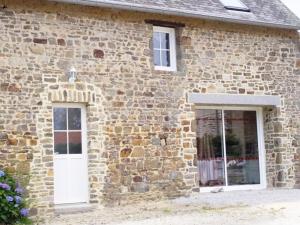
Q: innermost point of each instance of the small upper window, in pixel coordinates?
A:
(235, 5)
(164, 48)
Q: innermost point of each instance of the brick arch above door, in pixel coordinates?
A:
(74, 93)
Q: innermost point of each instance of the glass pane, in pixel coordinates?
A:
(210, 147)
(60, 119)
(156, 58)
(165, 40)
(234, 4)
(241, 147)
(74, 118)
(75, 143)
(60, 142)
(165, 56)
(156, 40)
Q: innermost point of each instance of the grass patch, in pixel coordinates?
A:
(221, 208)
(167, 210)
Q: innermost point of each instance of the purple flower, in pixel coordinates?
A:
(18, 199)
(24, 212)
(9, 198)
(5, 186)
(2, 174)
(19, 190)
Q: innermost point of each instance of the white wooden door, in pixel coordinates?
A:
(70, 154)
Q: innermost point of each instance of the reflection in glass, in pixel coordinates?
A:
(156, 40)
(75, 143)
(60, 119)
(161, 52)
(241, 147)
(74, 118)
(209, 147)
(156, 57)
(60, 142)
(165, 57)
(165, 41)
(67, 141)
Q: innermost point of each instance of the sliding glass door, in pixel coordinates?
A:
(230, 148)
(210, 148)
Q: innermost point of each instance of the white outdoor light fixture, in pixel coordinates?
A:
(72, 74)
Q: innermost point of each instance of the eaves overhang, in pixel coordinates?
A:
(175, 12)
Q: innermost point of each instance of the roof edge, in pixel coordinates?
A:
(173, 12)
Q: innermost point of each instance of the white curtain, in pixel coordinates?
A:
(210, 170)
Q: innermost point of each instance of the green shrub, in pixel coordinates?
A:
(12, 203)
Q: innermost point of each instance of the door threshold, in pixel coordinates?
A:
(219, 189)
(73, 208)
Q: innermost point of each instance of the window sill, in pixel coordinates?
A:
(163, 68)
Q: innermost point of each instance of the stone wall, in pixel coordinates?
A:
(296, 125)
(141, 129)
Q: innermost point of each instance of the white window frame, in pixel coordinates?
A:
(172, 41)
(261, 150)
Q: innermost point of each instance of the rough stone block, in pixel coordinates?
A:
(140, 187)
(138, 152)
(99, 54)
(125, 152)
(40, 41)
(37, 49)
(61, 42)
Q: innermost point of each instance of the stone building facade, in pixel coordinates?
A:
(141, 136)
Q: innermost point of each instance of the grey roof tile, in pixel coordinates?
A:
(263, 12)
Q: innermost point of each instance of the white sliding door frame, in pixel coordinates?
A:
(261, 150)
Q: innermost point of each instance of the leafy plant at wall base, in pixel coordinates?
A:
(12, 203)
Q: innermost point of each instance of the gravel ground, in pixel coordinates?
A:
(268, 207)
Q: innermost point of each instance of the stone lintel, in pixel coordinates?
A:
(231, 99)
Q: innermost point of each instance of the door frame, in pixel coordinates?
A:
(261, 149)
(83, 144)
